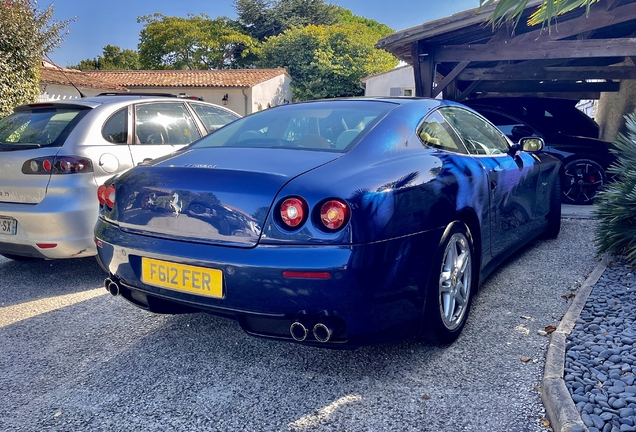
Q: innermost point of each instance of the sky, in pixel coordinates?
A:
(114, 22)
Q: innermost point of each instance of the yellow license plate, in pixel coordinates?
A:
(180, 277)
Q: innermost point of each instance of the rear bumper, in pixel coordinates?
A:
(375, 293)
(62, 218)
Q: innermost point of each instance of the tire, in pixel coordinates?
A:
(20, 257)
(451, 286)
(581, 179)
(554, 215)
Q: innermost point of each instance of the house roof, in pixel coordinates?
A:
(188, 78)
(53, 74)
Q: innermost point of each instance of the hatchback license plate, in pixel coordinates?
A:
(180, 277)
(8, 226)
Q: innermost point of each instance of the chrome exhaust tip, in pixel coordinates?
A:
(107, 282)
(322, 333)
(298, 331)
(113, 288)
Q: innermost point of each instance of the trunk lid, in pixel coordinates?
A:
(35, 133)
(209, 195)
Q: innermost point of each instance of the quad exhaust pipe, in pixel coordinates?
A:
(111, 286)
(298, 331)
(321, 332)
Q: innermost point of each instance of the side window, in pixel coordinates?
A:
(479, 136)
(512, 128)
(115, 129)
(164, 123)
(213, 118)
(436, 132)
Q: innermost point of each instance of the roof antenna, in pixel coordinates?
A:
(61, 69)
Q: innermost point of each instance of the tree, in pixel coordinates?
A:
(547, 11)
(264, 18)
(346, 16)
(327, 61)
(27, 35)
(113, 58)
(196, 42)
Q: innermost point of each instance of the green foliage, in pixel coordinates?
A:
(113, 58)
(27, 33)
(547, 11)
(616, 204)
(196, 42)
(327, 61)
(264, 18)
(345, 16)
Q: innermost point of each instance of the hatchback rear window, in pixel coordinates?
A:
(328, 125)
(46, 126)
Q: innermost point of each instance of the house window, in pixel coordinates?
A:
(407, 92)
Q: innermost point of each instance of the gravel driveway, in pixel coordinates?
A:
(73, 358)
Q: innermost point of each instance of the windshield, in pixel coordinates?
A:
(46, 126)
(324, 125)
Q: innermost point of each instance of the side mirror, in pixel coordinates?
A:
(531, 144)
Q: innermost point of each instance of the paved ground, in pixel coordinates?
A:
(74, 358)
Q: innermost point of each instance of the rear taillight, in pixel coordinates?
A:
(100, 194)
(57, 165)
(106, 195)
(334, 214)
(293, 212)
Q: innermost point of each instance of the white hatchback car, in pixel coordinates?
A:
(53, 156)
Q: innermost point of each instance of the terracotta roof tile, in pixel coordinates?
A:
(188, 78)
(49, 75)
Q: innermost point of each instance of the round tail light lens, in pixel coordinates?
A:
(334, 214)
(100, 194)
(109, 196)
(293, 212)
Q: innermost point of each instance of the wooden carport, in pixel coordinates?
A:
(579, 58)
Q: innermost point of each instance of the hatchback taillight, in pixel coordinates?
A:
(57, 165)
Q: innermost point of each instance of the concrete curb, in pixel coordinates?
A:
(559, 406)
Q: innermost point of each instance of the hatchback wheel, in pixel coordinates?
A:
(451, 286)
(581, 179)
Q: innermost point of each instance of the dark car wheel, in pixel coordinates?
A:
(554, 215)
(451, 285)
(581, 179)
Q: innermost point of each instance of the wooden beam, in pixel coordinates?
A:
(547, 87)
(417, 69)
(536, 51)
(468, 90)
(599, 17)
(549, 73)
(450, 77)
(571, 95)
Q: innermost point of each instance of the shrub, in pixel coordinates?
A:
(616, 204)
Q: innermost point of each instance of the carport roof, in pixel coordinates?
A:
(578, 57)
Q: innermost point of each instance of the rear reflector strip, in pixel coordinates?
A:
(306, 275)
(46, 245)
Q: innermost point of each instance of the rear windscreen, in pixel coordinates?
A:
(40, 126)
(329, 125)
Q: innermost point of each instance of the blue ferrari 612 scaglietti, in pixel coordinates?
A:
(334, 223)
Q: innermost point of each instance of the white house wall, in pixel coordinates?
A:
(53, 92)
(400, 78)
(270, 93)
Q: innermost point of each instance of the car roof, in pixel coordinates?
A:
(118, 99)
